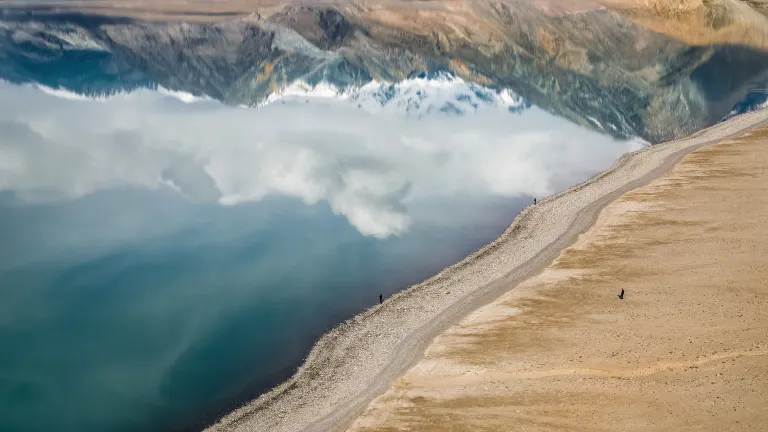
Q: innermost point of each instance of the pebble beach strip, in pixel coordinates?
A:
(357, 361)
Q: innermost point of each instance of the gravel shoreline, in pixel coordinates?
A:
(357, 361)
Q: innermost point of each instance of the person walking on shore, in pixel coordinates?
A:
(534, 201)
(381, 299)
(621, 296)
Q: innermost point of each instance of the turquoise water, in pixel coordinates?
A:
(162, 262)
(139, 335)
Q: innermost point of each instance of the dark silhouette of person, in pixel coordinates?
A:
(621, 296)
(381, 299)
(534, 201)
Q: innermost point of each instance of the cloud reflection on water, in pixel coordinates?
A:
(144, 306)
(369, 168)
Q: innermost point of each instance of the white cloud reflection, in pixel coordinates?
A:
(369, 168)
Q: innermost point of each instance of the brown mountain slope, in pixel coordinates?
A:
(758, 5)
(696, 22)
(581, 64)
(701, 22)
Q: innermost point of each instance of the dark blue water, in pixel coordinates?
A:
(161, 262)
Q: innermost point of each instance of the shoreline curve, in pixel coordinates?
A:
(358, 359)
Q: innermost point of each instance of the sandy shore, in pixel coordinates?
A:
(687, 349)
(357, 361)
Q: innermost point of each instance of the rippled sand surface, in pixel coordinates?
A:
(358, 360)
(685, 350)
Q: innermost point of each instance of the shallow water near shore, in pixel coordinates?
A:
(157, 272)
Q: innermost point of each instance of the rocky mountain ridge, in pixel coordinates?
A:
(594, 65)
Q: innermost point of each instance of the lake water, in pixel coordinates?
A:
(166, 255)
(163, 261)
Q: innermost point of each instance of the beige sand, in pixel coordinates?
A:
(687, 349)
(358, 360)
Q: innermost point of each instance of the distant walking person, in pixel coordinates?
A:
(534, 201)
(621, 296)
(381, 298)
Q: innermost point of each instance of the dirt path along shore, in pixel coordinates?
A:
(687, 348)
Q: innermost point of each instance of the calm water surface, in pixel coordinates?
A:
(165, 257)
(163, 261)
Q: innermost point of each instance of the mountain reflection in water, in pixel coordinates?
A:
(157, 253)
(595, 68)
(170, 251)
